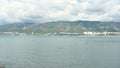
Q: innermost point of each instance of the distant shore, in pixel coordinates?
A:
(64, 33)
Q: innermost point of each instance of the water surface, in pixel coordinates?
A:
(60, 52)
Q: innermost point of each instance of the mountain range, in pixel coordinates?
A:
(62, 26)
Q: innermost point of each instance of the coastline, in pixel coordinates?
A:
(63, 34)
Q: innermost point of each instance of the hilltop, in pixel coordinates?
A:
(62, 26)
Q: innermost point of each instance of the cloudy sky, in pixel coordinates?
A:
(12, 11)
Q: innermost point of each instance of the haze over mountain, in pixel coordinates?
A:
(62, 26)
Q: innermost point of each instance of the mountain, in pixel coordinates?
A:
(62, 26)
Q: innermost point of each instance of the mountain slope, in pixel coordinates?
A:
(62, 26)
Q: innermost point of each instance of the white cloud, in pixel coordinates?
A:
(52, 10)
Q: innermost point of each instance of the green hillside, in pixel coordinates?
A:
(62, 26)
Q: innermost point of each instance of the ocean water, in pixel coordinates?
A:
(60, 51)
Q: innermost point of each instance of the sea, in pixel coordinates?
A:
(59, 51)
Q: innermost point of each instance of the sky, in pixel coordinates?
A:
(39, 11)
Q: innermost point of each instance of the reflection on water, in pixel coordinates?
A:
(59, 52)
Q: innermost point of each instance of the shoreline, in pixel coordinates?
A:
(64, 35)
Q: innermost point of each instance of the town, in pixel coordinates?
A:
(63, 33)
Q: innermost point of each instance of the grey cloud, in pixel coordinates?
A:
(53, 10)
